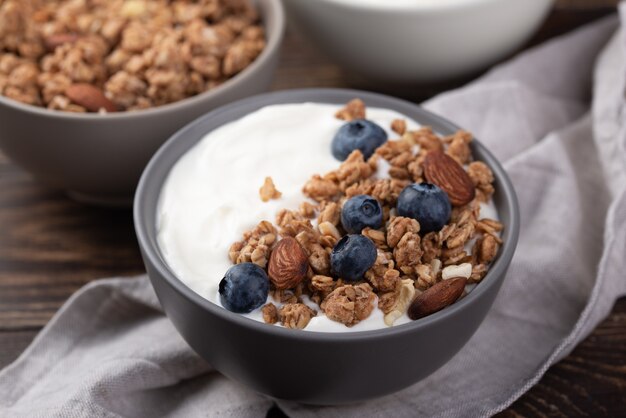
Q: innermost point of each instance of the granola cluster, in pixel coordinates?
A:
(138, 53)
(408, 261)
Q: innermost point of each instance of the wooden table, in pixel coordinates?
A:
(50, 246)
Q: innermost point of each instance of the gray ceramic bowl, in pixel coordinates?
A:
(99, 158)
(311, 367)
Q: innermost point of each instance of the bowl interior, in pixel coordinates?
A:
(147, 197)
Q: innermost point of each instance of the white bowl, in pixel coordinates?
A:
(417, 41)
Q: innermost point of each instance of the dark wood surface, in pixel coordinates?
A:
(50, 246)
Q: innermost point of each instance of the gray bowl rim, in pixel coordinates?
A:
(274, 41)
(152, 253)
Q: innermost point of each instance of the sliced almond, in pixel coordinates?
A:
(443, 171)
(407, 293)
(89, 97)
(437, 297)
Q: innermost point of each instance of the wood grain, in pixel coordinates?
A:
(51, 246)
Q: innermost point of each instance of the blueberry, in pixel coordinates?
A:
(352, 257)
(360, 134)
(244, 288)
(426, 203)
(360, 212)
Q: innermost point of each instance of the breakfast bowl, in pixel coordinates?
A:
(98, 158)
(402, 42)
(309, 366)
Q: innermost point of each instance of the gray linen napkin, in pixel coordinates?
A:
(110, 352)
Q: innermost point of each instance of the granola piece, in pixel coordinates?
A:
(354, 109)
(125, 89)
(446, 232)
(464, 214)
(391, 149)
(426, 276)
(319, 257)
(330, 212)
(28, 94)
(387, 300)
(284, 296)
(431, 247)
(81, 61)
(459, 147)
(398, 126)
(482, 177)
(402, 160)
(478, 273)
(489, 226)
(329, 230)
(116, 60)
(460, 235)
(292, 223)
(255, 246)
(399, 173)
(328, 242)
(398, 226)
(320, 189)
(427, 140)
(203, 39)
(270, 313)
(408, 251)
(168, 84)
(8, 62)
(453, 255)
(241, 54)
(487, 249)
(352, 170)
(377, 237)
(52, 85)
(382, 275)
(349, 304)
(416, 171)
(269, 191)
(386, 191)
(400, 165)
(480, 173)
(296, 315)
(362, 187)
(307, 210)
(235, 250)
(23, 74)
(264, 229)
(64, 103)
(137, 36)
(20, 82)
(323, 284)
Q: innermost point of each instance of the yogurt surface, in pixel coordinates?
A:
(211, 196)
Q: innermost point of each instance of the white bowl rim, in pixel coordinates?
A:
(407, 5)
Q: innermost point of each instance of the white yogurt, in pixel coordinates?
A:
(211, 196)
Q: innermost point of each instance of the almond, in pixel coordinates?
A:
(288, 264)
(437, 297)
(443, 171)
(89, 97)
(53, 41)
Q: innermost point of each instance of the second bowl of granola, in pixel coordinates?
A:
(90, 90)
(296, 242)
